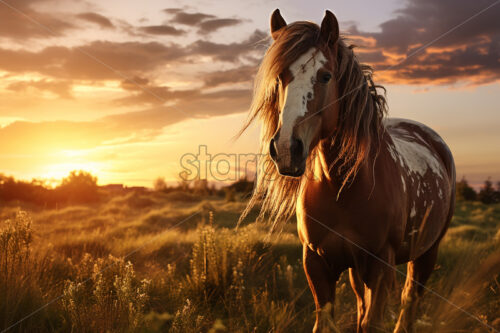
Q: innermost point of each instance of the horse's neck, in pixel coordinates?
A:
(325, 172)
(326, 165)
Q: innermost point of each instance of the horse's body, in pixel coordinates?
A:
(408, 209)
(380, 192)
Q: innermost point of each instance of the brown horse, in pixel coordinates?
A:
(369, 193)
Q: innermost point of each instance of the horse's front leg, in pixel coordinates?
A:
(322, 282)
(379, 280)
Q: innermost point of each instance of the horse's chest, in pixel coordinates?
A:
(330, 227)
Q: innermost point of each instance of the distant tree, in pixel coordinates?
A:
(497, 192)
(200, 186)
(184, 184)
(230, 194)
(78, 187)
(487, 193)
(465, 191)
(243, 185)
(160, 184)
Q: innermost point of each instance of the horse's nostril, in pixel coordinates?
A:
(297, 148)
(272, 149)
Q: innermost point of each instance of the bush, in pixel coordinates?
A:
(160, 184)
(78, 187)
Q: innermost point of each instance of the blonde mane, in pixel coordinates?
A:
(359, 126)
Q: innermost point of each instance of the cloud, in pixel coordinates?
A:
(192, 101)
(15, 24)
(145, 93)
(422, 21)
(470, 52)
(206, 23)
(105, 60)
(138, 126)
(231, 52)
(234, 75)
(59, 88)
(182, 17)
(210, 26)
(95, 18)
(98, 60)
(162, 30)
(197, 105)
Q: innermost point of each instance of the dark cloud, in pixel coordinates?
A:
(60, 88)
(162, 30)
(134, 83)
(15, 21)
(104, 60)
(210, 26)
(98, 60)
(98, 19)
(422, 21)
(235, 75)
(182, 17)
(470, 52)
(469, 64)
(231, 52)
(146, 93)
(206, 23)
(143, 92)
(372, 57)
(197, 105)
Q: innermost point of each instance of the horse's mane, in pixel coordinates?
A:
(359, 127)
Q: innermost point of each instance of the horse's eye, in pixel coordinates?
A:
(326, 77)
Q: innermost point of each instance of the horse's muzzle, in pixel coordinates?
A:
(290, 162)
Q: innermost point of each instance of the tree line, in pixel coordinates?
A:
(79, 187)
(487, 194)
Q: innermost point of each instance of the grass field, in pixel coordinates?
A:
(157, 262)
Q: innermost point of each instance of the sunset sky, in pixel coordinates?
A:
(124, 88)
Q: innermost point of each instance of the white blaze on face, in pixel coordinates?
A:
(297, 93)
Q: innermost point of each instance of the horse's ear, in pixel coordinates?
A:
(329, 29)
(277, 22)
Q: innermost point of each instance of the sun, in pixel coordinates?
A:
(72, 160)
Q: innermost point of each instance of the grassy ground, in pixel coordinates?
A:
(174, 262)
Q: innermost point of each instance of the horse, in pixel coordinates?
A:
(369, 192)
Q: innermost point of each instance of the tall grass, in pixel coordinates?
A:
(72, 269)
(105, 296)
(24, 280)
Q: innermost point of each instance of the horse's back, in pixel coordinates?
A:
(413, 131)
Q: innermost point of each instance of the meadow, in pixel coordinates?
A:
(174, 262)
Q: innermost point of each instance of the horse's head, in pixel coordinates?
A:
(314, 101)
(306, 92)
